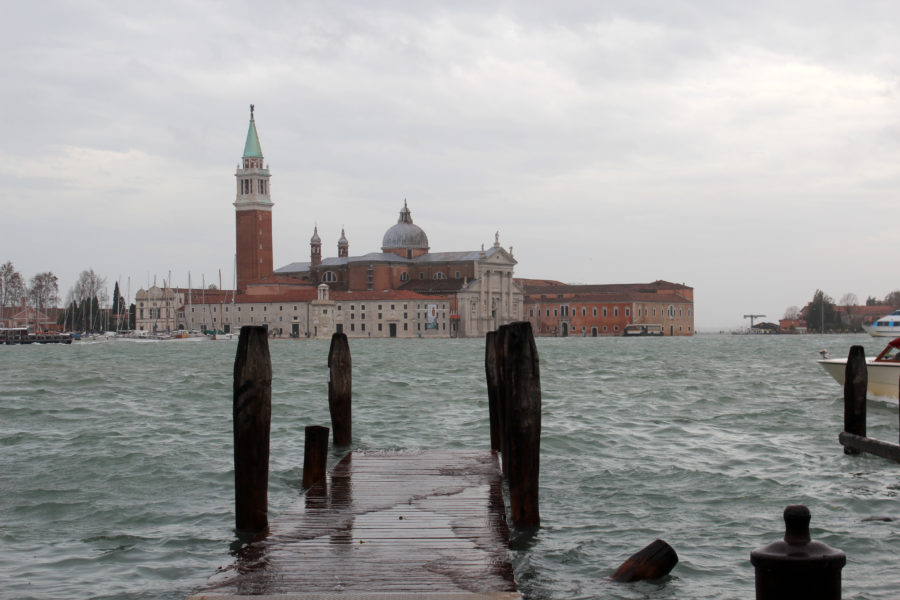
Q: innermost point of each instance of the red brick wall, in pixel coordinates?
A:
(254, 230)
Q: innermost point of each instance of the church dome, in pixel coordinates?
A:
(404, 235)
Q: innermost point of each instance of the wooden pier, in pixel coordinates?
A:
(429, 525)
(383, 524)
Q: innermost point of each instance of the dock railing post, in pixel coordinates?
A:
(315, 454)
(492, 375)
(856, 380)
(252, 416)
(340, 389)
(520, 384)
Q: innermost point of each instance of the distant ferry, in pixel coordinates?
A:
(886, 326)
(635, 329)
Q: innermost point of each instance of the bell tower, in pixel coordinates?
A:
(253, 213)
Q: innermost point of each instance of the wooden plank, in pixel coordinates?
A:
(428, 525)
(859, 444)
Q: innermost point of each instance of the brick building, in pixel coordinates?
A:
(558, 309)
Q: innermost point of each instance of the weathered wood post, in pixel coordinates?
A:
(651, 562)
(856, 381)
(252, 415)
(315, 454)
(492, 374)
(521, 392)
(339, 389)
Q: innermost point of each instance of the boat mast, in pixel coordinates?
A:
(221, 305)
(190, 303)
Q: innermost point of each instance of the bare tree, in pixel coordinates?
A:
(792, 312)
(12, 286)
(43, 292)
(90, 285)
(849, 299)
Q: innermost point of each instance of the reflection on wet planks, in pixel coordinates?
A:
(432, 524)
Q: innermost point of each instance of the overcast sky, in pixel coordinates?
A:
(749, 150)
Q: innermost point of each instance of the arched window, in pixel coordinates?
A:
(329, 277)
(404, 276)
(439, 275)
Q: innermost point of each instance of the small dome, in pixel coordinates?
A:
(404, 234)
(343, 241)
(315, 239)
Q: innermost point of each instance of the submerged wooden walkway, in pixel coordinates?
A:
(428, 525)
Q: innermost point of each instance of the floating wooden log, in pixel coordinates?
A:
(315, 454)
(252, 415)
(651, 562)
(340, 389)
(520, 385)
(856, 381)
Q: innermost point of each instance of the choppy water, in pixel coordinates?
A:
(117, 482)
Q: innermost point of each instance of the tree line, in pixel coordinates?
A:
(822, 314)
(86, 303)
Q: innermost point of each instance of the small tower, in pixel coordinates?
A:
(253, 208)
(315, 248)
(343, 246)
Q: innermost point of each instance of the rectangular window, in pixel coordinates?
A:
(595, 311)
(627, 312)
(616, 311)
(379, 327)
(604, 312)
(362, 326)
(352, 326)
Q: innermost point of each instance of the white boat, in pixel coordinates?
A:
(883, 371)
(886, 326)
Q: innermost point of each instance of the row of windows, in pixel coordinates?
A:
(265, 307)
(564, 311)
(331, 276)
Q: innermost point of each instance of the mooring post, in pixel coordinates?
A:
(797, 566)
(492, 374)
(252, 415)
(856, 381)
(339, 389)
(521, 392)
(315, 454)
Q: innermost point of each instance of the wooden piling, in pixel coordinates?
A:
(651, 562)
(856, 380)
(315, 454)
(521, 439)
(339, 389)
(492, 375)
(252, 415)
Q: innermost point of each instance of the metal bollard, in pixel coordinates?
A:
(797, 567)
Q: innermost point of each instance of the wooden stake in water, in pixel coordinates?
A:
(856, 382)
(492, 375)
(520, 381)
(252, 414)
(339, 389)
(315, 454)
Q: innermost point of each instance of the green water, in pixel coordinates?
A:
(115, 457)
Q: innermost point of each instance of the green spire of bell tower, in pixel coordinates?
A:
(252, 148)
